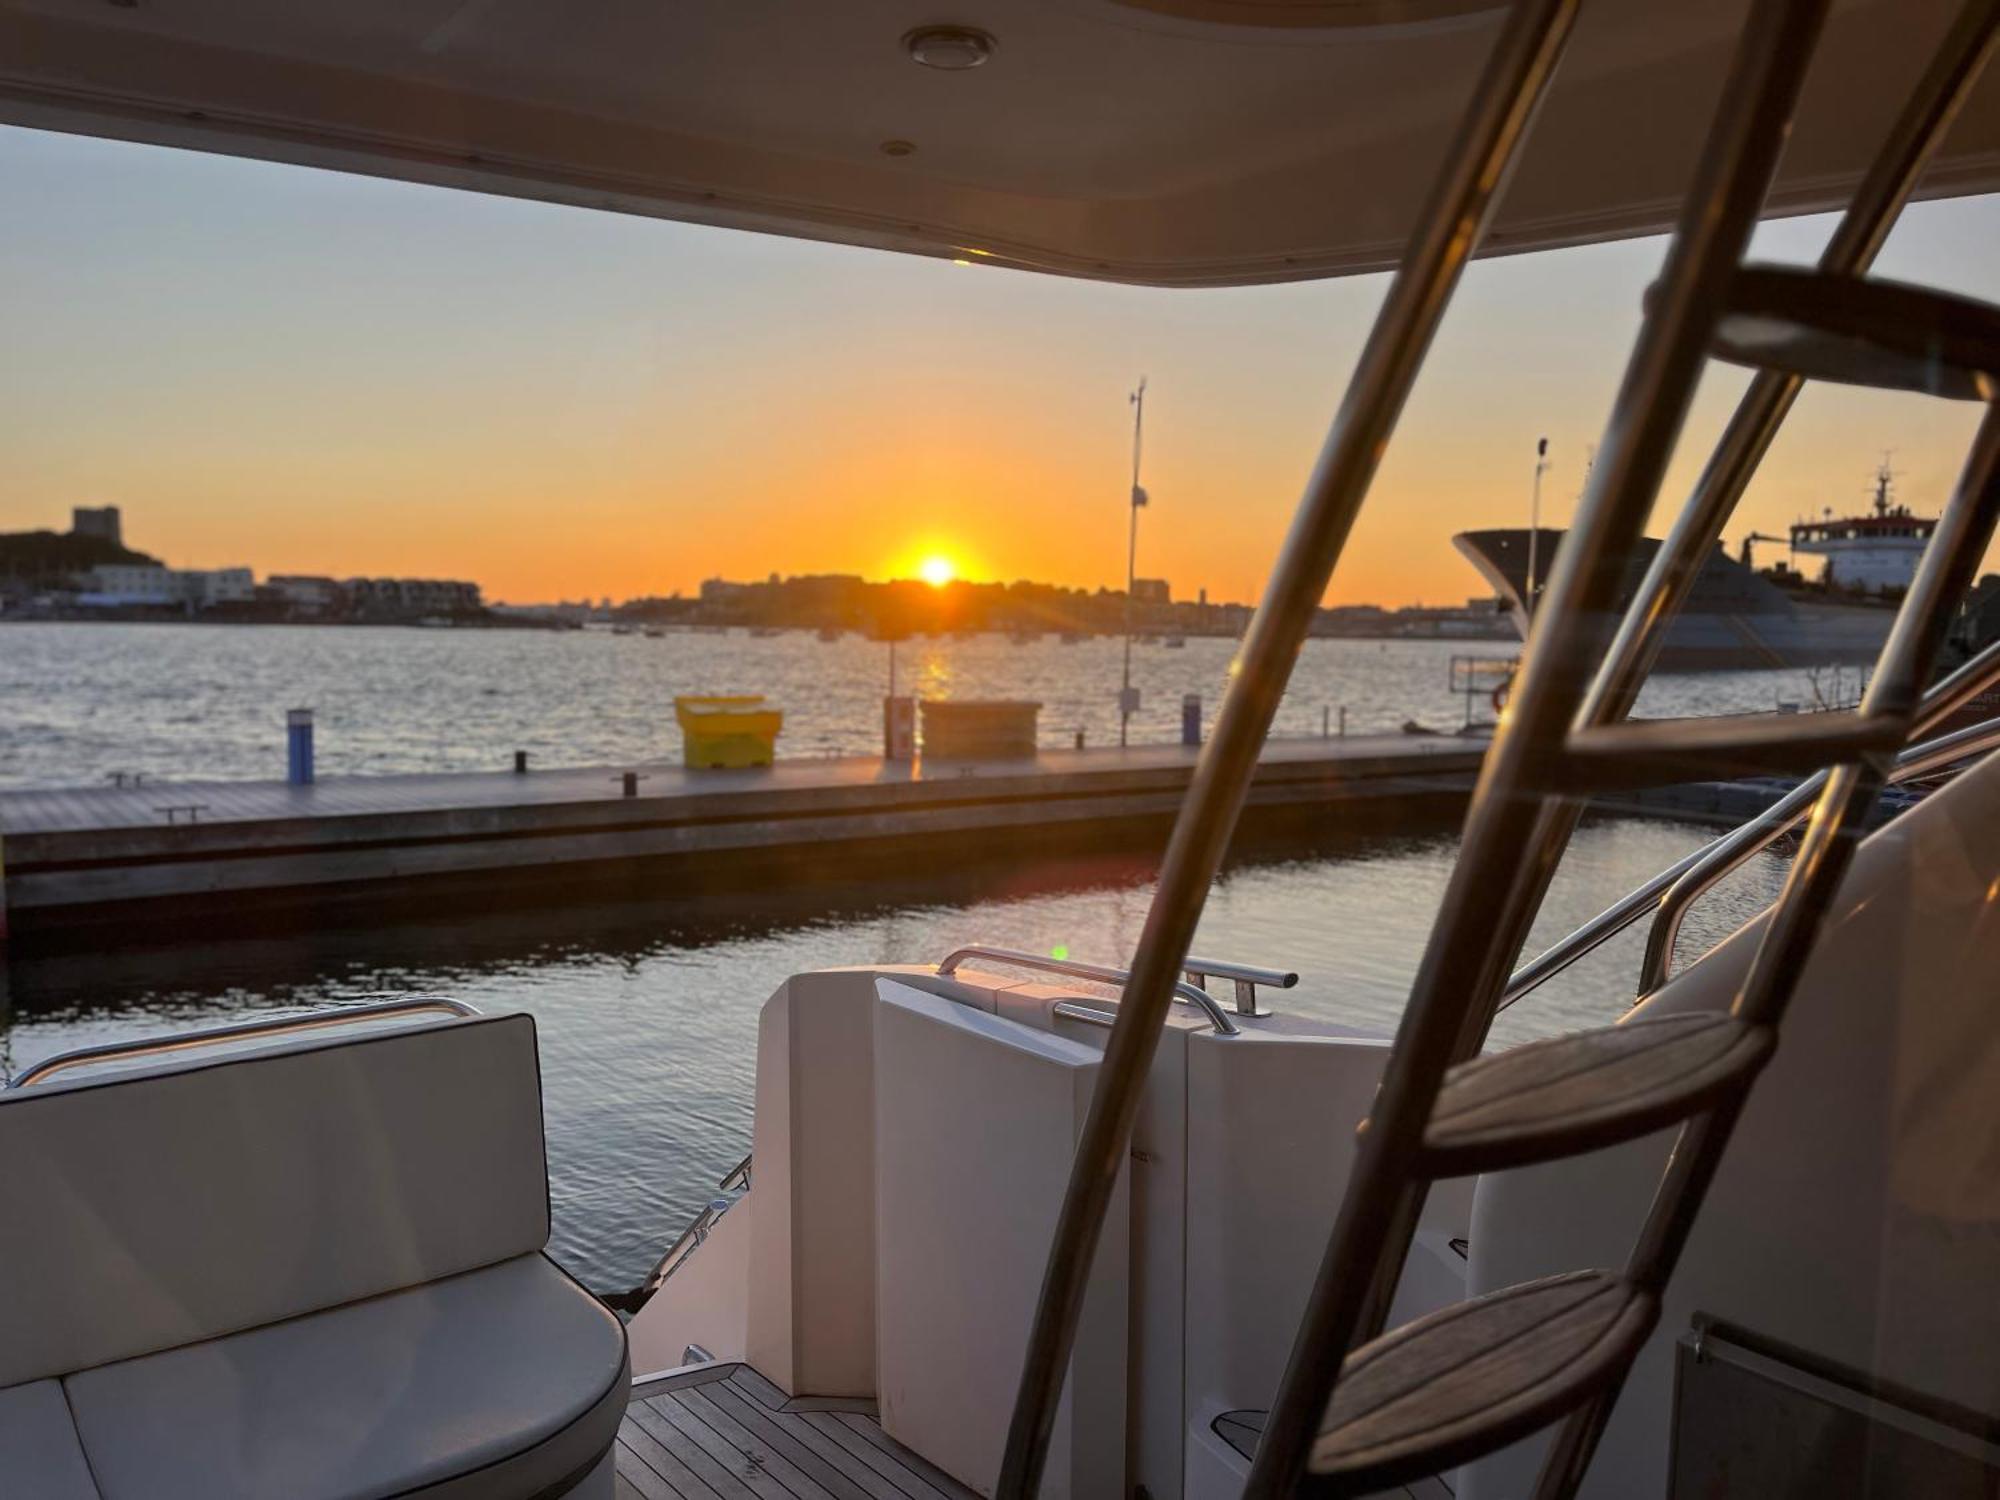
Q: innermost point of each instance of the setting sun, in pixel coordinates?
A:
(937, 571)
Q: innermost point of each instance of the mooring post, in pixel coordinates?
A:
(520, 763)
(899, 727)
(299, 747)
(1191, 718)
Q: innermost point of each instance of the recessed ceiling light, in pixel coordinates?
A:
(952, 49)
(898, 148)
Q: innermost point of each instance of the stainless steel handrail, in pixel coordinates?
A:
(689, 1240)
(1090, 1015)
(1246, 978)
(1186, 993)
(737, 1176)
(1945, 697)
(1447, 233)
(1733, 851)
(733, 1185)
(1514, 833)
(1714, 860)
(272, 1026)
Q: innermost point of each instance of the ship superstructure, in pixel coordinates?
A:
(1874, 553)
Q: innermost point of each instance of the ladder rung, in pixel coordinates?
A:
(1474, 1377)
(1575, 1093)
(1650, 752)
(1861, 331)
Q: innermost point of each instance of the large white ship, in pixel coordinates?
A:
(1791, 614)
(1874, 554)
(1733, 618)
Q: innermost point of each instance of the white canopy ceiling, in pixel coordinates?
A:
(1182, 142)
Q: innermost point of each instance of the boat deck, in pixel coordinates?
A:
(724, 1432)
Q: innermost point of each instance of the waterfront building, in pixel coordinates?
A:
(406, 597)
(205, 587)
(118, 585)
(127, 586)
(99, 521)
(309, 594)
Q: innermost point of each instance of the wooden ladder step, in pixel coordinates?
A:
(1474, 1377)
(1569, 1094)
(1861, 331)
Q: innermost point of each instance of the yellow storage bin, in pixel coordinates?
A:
(723, 732)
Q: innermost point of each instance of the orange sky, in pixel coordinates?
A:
(307, 372)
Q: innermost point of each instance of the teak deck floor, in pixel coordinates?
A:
(724, 1432)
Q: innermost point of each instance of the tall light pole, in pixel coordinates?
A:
(1535, 525)
(1126, 700)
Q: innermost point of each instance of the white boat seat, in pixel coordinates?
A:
(311, 1271)
(39, 1452)
(507, 1382)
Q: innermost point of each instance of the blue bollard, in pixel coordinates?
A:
(299, 747)
(1191, 719)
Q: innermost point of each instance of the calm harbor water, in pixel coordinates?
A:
(647, 1013)
(79, 702)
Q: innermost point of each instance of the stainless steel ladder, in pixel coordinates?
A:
(1357, 1411)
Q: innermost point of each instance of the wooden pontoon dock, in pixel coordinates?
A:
(170, 849)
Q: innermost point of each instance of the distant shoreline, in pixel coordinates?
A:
(1503, 635)
(109, 617)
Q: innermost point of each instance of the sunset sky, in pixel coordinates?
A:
(309, 372)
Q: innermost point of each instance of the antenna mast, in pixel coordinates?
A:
(1883, 474)
(1535, 526)
(1126, 701)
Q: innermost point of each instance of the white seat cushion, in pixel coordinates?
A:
(151, 1211)
(502, 1382)
(39, 1453)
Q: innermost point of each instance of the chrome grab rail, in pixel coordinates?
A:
(1090, 1015)
(1448, 231)
(1246, 978)
(1187, 993)
(1514, 832)
(690, 1240)
(733, 1184)
(273, 1026)
(1718, 858)
(1729, 853)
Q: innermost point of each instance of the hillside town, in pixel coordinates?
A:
(89, 572)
